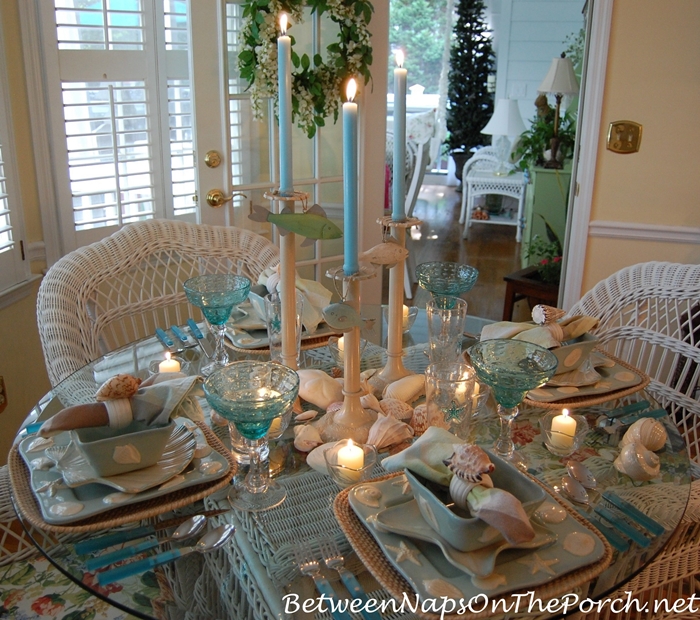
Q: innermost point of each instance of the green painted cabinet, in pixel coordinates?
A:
(547, 197)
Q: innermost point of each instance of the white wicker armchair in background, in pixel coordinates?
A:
(121, 288)
(650, 317)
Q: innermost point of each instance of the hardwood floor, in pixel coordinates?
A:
(491, 249)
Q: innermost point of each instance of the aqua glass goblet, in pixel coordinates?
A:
(511, 368)
(216, 295)
(251, 395)
(445, 280)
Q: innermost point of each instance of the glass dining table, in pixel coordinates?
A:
(256, 575)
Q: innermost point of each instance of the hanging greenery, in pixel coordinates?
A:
(317, 83)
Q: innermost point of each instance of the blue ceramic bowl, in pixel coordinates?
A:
(112, 451)
(456, 526)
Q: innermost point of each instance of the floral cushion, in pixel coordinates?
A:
(32, 589)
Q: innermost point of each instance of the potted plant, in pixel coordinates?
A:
(547, 255)
(469, 103)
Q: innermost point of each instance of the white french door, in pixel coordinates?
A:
(139, 91)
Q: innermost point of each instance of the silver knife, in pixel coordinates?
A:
(200, 338)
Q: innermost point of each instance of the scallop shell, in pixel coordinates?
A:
(648, 432)
(396, 408)
(306, 438)
(317, 388)
(469, 462)
(419, 420)
(440, 588)
(119, 386)
(407, 389)
(333, 407)
(388, 431)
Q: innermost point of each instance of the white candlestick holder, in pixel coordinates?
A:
(394, 368)
(352, 420)
(287, 284)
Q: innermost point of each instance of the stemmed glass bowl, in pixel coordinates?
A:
(511, 368)
(216, 295)
(445, 280)
(252, 394)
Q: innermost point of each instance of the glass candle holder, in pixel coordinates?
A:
(409, 317)
(336, 347)
(154, 366)
(349, 462)
(563, 433)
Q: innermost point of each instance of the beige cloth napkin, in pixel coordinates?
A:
(548, 336)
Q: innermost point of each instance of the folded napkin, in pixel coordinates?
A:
(426, 455)
(548, 336)
(316, 296)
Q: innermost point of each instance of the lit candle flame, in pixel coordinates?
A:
(565, 412)
(283, 23)
(351, 89)
(167, 355)
(399, 58)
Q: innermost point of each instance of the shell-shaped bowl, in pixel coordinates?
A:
(463, 531)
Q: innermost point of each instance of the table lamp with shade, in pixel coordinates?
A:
(559, 81)
(505, 122)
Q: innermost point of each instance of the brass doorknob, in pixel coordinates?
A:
(216, 197)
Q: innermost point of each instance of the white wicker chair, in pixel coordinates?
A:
(650, 317)
(484, 159)
(121, 288)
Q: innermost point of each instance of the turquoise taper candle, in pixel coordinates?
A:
(350, 264)
(284, 82)
(398, 194)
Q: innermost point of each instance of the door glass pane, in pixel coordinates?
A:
(330, 146)
(181, 147)
(331, 199)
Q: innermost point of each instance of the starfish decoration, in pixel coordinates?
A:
(276, 323)
(404, 553)
(405, 485)
(453, 412)
(537, 564)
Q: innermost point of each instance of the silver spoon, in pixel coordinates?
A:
(210, 541)
(193, 526)
(574, 490)
(578, 471)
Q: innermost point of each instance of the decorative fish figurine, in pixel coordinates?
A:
(388, 253)
(342, 317)
(313, 224)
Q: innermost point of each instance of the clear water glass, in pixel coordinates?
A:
(216, 295)
(251, 395)
(448, 390)
(273, 322)
(445, 330)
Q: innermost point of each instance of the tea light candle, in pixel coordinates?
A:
(169, 365)
(563, 430)
(351, 456)
(341, 344)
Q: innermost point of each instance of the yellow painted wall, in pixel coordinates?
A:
(21, 359)
(653, 78)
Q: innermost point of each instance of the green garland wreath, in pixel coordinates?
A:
(316, 84)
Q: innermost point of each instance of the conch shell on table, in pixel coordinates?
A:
(407, 389)
(119, 386)
(638, 462)
(388, 431)
(543, 315)
(306, 438)
(469, 462)
(423, 418)
(648, 432)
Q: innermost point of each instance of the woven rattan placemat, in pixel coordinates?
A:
(597, 399)
(368, 550)
(29, 507)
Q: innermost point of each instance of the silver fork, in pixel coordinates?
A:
(310, 567)
(335, 561)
